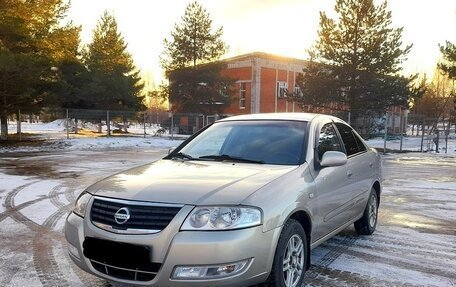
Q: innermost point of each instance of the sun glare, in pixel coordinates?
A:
(286, 28)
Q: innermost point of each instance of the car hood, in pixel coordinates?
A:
(189, 182)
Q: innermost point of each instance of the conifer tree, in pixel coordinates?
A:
(115, 81)
(364, 53)
(190, 62)
(33, 44)
(448, 65)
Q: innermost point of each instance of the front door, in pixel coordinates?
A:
(333, 185)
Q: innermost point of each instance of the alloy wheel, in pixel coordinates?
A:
(372, 211)
(293, 261)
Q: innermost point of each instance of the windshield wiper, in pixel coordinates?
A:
(183, 155)
(225, 157)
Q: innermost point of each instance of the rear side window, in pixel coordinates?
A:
(328, 140)
(352, 143)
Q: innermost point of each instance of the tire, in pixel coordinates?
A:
(292, 247)
(366, 225)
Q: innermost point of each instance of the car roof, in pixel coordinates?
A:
(306, 117)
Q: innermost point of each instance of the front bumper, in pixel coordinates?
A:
(172, 248)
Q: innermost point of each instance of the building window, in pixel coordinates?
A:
(282, 89)
(242, 93)
(298, 92)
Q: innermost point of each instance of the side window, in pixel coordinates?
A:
(359, 142)
(349, 139)
(328, 140)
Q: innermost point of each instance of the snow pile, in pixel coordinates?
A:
(118, 142)
(57, 126)
(414, 144)
(98, 143)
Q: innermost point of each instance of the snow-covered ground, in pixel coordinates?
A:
(413, 143)
(414, 245)
(57, 128)
(95, 143)
(55, 137)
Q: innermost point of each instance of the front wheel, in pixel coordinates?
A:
(290, 258)
(366, 225)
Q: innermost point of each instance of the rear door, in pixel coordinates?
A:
(360, 168)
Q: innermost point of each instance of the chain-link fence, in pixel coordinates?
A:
(398, 129)
(74, 123)
(404, 131)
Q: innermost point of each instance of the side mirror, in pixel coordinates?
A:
(333, 158)
(170, 150)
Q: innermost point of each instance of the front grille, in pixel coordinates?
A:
(123, 273)
(121, 260)
(144, 217)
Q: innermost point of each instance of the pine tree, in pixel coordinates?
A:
(365, 55)
(193, 40)
(33, 43)
(448, 65)
(189, 60)
(115, 81)
(317, 86)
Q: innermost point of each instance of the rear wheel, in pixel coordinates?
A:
(366, 225)
(290, 258)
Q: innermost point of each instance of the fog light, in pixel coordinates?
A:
(73, 250)
(211, 271)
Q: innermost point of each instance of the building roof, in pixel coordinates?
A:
(265, 56)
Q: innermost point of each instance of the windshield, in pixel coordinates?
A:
(269, 142)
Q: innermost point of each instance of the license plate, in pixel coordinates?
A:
(118, 254)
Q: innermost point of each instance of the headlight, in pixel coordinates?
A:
(80, 206)
(222, 218)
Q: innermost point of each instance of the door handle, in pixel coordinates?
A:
(349, 173)
(371, 164)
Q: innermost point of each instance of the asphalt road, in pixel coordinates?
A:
(414, 245)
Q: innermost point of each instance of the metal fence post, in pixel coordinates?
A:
(386, 133)
(401, 130)
(108, 124)
(422, 135)
(67, 125)
(19, 123)
(172, 126)
(144, 124)
(436, 141)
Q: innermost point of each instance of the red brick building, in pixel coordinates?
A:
(262, 80)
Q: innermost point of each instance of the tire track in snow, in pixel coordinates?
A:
(54, 196)
(399, 261)
(324, 276)
(54, 218)
(335, 251)
(12, 210)
(414, 250)
(43, 258)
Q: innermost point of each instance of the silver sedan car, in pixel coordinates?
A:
(241, 202)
